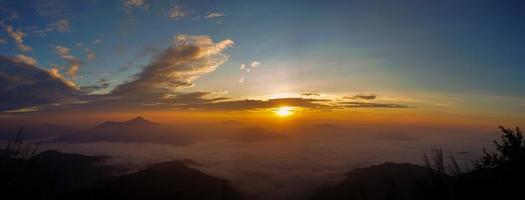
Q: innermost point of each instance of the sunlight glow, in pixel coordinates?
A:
(284, 111)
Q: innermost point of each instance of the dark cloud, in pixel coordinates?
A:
(258, 104)
(354, 104)
(101, 84)
(311, 94)
(199, 101)
(115, 103)
(23, 85)
(195, 98)
(154, 88)
(363, 97)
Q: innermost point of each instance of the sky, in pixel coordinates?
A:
(376, 61)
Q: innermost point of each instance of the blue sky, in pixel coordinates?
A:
(441, 47)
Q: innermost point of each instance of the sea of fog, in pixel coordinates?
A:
(291, 167)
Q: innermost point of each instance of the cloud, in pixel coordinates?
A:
(242, 105)
(177, 12)
(353, 104)
(213, 15)
(254, 64)
(18, 37)
(363, 97)
(55, 72)
(58, 26)
(226, 104)
(62, 25)
(196, 98)
(90, 54)
(97, 41)
(241, 80)
(26, 59)
(134, 3)
(74, 63)
(188, 58)
(311, 94)
(247, 69)
(24, 85)
(101, 84)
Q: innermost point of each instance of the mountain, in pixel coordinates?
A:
(134, 130)
(36, 131)
(49, 174)
(167, 180)
(55, 175)
(190, 163)
(385, 181)
(138, 122)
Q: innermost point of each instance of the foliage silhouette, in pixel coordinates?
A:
(510, 150)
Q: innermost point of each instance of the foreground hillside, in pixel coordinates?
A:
(54, 175)
(167, 180)
(497, 175)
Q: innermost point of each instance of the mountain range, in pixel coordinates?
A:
(134, 130)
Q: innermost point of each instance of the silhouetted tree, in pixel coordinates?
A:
(510, 149)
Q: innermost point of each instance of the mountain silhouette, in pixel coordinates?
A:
(49, 174)
(55, 175)
(134, 130)
(166, 180)
(384, 181)
(138, 122)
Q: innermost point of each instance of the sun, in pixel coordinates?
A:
(284, 111)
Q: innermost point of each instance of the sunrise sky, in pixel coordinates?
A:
(419, 62)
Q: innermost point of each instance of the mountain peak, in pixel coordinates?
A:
(140, 120)
(137, 121)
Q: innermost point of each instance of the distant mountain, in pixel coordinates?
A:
(167, 180)
(138, 122)
(134, 130)
(37, 131)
